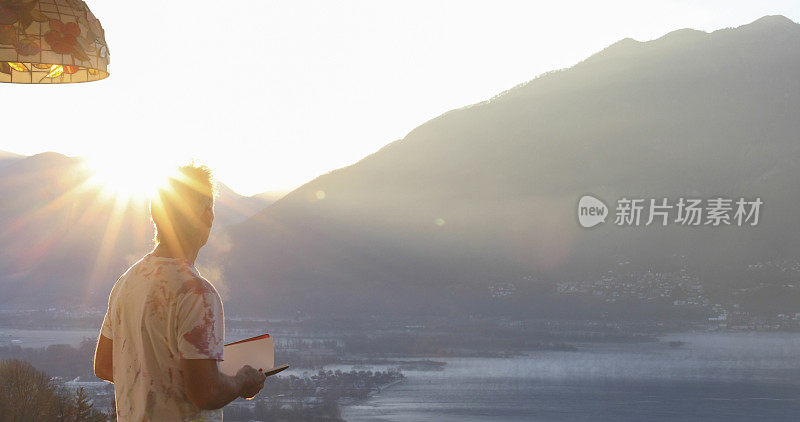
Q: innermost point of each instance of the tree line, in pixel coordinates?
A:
(28, 394)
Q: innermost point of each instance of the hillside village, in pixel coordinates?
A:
(683, 289)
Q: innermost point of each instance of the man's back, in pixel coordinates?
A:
(161, 311)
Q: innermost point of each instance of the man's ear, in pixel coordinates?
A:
(208, 214)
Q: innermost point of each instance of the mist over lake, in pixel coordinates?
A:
(724, 376)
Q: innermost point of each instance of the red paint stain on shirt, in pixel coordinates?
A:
(202, 336)
(195, 285)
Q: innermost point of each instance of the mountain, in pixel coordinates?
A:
(65, 241)
(271, 196)
(231, 207)
(8, 158)
(487, 194)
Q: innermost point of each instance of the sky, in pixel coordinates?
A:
(271, 94)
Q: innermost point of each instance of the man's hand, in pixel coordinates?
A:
(104, 359)
(252, 381)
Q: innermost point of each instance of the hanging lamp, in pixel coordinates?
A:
(51, 41)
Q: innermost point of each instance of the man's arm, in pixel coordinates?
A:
(104, 359)
(208, 388)
(200, 334)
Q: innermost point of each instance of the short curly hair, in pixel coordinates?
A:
(176, 207)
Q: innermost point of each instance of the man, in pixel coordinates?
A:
(162, 336)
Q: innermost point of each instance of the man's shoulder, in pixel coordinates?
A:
(193, 283)
(135, 268)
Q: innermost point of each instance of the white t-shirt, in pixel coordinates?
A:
(160, 311)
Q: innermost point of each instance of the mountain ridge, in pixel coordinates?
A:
(451, 204)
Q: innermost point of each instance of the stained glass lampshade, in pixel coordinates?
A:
(51, 41)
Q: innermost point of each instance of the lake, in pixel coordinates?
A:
(44, 338)
(713, 377)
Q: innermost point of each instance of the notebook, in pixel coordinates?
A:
(258, 352)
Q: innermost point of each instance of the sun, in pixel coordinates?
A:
(127, 178)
